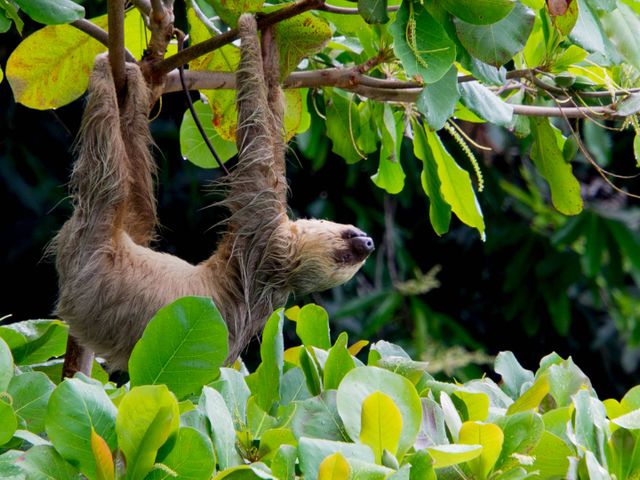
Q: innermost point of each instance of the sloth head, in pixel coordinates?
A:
(325, 254)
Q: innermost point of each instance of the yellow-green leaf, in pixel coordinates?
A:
(456, 185)
(447, 455)
(50, 68)
(547, 156)
(356, 347)
(488, 435)
(105, 469)
(334, 467)
(477, 404)
(532, 397)
(381, 424)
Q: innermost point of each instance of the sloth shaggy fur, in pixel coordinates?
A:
(112, 282)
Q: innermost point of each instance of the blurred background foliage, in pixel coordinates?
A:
(540, 282)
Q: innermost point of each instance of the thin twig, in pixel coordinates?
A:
(194, 115)
(202, 48)
(203, 18)
(115, 9)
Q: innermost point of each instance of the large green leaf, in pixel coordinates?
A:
(318, 417)
(312, 451)
(299, 37)
(343, 127)
(6, 365)
(188, 335)
(191, 458)
(194, 148)
(623, 454)
(361, 382)
(75, 408)
(480, 12)
(222, 429)
(148, 416)
(373, 11)
(35, 341)
(491, 438)
(312, 326)
(264, 383)
(52, 12)
(50, 68)
(455, 185)
(437, 101)
(439, 209)
(522, 432)
(551, 457)
(283, 463)
(30, 393)
(421, 43)
(546, 154)
(497, 43)
(44, 462)
(234, 390)
(622, 26)
(486, 104)
(8, 421)
(230, 10)
(339, 363)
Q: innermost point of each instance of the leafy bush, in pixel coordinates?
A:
(313, 410)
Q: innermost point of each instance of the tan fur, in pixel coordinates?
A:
(112, 283)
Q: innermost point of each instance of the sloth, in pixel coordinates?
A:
(112, 282)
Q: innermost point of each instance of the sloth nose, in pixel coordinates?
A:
(362, 246)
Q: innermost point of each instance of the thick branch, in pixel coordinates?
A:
(115, 9)
(202, 48)
(373, 88)
(143, 5)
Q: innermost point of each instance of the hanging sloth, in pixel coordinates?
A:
(112, 282)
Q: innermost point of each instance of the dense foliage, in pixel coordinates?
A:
(313, 410)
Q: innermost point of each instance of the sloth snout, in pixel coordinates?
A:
(362, 246)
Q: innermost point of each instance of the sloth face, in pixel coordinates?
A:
(326, 254)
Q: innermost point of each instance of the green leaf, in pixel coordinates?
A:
(194, 148)
(5, 25)
(636, 149)
(476, 403)
(532, 397)
(230, 10)
(426, 52)
(448, 455)
(623, 454)
(339, 363)
(235, 392)
(565, 380)
(264, 383)
(373, 11)
(622, 27)
(456, 185)
(343, 127)
(514, 377)
(259, 421)
(490, 437)
(293, 386)
(283, 463)
(630, 421)
(222, 429)
(361, 382)
(551, 457)
(564, 23)
(300, 37)
(483, 102)
(44, 462)
(547, 157)
(496, 44)
(52, 12)
(50, 68)
(105, 468)
(191, 458)
(35, 341)
(522, 432)
(312, 451)
(186, 335)
(30, 392)
(390, 175)
(439, 209)
(272, 439)
(8, 422)
(311, 370)
(334, 467)
(590, 421)
(148, 416)
(437, 101)
(6, 365)
(381, 424)
(479, 12)
(312, 326)
(318, 417)
(629, 105)
(75, 409)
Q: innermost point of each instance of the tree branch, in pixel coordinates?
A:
(202, 48)
(98, 34)
(115, 12)
(143, 5)
(350, 11)
(373, 88)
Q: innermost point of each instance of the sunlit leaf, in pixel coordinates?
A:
(447, 455)
(480, 12)
(334, 467)
(381, 424)
(52, 12)
(105, 469)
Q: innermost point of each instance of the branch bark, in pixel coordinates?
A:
(373, 88)
(115, 10)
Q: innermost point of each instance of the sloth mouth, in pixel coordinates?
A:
(358, 247)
